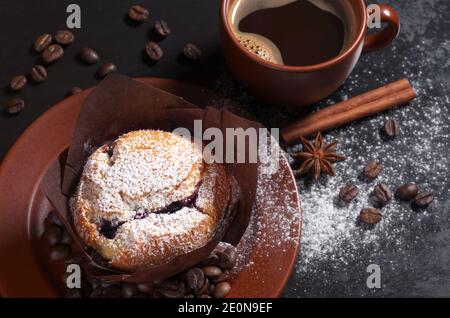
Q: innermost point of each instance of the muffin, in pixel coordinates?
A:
(149, 197)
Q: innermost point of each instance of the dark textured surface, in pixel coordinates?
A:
(418, 265)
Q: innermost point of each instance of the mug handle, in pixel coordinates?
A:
(382, 38)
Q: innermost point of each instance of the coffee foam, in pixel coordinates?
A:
(260, 45)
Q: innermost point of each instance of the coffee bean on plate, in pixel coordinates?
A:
(381, 195)
(106, 69)
(222, 289)
(64, 37)
(60, 252)
(192, 52)
(227, 258)
(42, 42)
(14, 106)
(129, 290)
(53, 235)
(212, 271)
(370, 216)
(154, 51)
(18, 82)
(407, 191)
(423, 199)
(89, 56)
(392, 128)
(162, 28)
(75, 90)
(38, 73)
(138, 13)
(372, 169)
(348, 193)
(52, 53)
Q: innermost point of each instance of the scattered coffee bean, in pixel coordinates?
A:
(212, 271)
(154, 51)
(14, 106)
(223, 277)
(52, 53)
(372, 169)
(171, 288)
(64, 37)
(348, 193)
(42, 42)
(212, 260)
(38, 73)
(392, 128)
(129, 290)
(60, 252)
(18, 82)
(162, 28)
(195, 278)
(75, 90)
(192, 52)
(138, 13)
(204, 289)
(423, 199)
(407, 192)
(381, 195)
(89, 56)
(222, 289)
(106, 69)
(227, 258)
(370, 216)
(53, 235)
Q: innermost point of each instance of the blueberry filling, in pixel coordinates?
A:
(109, 228)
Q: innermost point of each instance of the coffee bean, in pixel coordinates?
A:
(89, 56)
(195, 278)
(162, 28)
(66, 239)
(407, 191)
(212, 260)
(146, 288)
(381, 195)
(52, 53)
(138, 13)
(211, 289)
(171, 288)
(370, 216)
(75, 90)
(18, 82)
(221, 290)
(53, 235)
(223, 277)
(60, 252)
(154, 51)
(348, 193)
(204, 289)
(192, 52)
(14, 106)
(129, 290)
(372, 169)
(392, 128)
(204, 296)
(423, 199)
(106, 69)
(38, 73)
(227, 258)
(212, 271)
(64, 37)
(42, 42)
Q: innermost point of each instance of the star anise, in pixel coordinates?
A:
(317, 157)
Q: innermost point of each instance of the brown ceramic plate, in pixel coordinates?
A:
(270, 244)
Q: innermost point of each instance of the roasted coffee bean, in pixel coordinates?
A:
(195, 278)
(407, 191)
(392, 128)
(348, 193)
(211, 288)
(38, 73)
(222, 278)
(212, 260)
(42, 42)
(171, 288)
(227, 258)
(212, 271)
(53, 235)
(204, 289)
(372, 169)
(64, 37)
(370, 216)
(129, 290)
(106, 69)
(146, 288)
(138, 13)
(162, 28)
(192, 52)
(14, 106)
(423, 199)
(89, 56)
(18, 82)
(221, 290)
(60, 252)
(154, 51)
(75, 90)
(381, 195)
(52, 53)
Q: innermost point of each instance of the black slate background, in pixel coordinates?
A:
(425, 24)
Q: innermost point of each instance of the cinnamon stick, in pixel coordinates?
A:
(365, 105)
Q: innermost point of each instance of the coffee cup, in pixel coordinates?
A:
(281, 84)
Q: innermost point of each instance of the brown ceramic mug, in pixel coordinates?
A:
(304, 85)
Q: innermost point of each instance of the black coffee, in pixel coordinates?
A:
(296, 33)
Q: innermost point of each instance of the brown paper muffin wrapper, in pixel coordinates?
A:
(119, 105)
